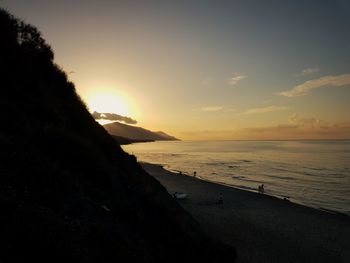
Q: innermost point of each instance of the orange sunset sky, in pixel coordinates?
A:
(202, 70)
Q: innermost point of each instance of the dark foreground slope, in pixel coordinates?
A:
(67, 190)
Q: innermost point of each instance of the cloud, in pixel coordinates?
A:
(306, 87)
(298, 128)
(296, 120)
(212, 108)
(113, 117)
(295, 128)
(263, 110)
(307, 71)
(235, 79)
(295, 132)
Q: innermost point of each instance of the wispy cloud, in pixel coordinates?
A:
(263, 110)
(307, 71)
(306, 87)
(296, 120)
(212, 108)
(235, 79)
(112, 117)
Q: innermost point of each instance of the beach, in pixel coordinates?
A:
(262, 228)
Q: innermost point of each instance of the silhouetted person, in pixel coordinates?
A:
(194, 174)
(261, 189)
(180, 173)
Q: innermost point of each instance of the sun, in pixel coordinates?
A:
(110, 102)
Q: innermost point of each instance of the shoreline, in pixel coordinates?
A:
(263, 228)
(250, 189)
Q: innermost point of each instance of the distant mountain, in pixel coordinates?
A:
(136, 133)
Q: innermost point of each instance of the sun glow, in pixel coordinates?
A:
(110, 102)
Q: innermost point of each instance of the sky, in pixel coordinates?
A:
(206, 70)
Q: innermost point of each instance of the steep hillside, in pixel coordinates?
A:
(136, 133)
(68, 193)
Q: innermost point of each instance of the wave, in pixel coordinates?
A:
(244, 187)
(310, 174)
(231, 164)
(281, 169)
(238, 177)
(242, 178)
(296, 172)
(339, 175)
(216, 164)
(280, 177)
(315, 169)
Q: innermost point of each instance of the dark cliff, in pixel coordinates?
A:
(67, 190)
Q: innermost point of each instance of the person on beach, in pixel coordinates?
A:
(261, 189)
(221, 199)
(194, 174)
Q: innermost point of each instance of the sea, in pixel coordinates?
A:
(312, 173)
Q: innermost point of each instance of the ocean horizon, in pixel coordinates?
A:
(315, 173)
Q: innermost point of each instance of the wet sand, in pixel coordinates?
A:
(262, 228)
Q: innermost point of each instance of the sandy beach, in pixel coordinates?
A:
(262, 228)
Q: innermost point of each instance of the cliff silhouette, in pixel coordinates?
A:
(68, 193)
(136, 133)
